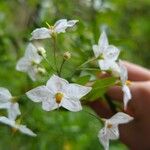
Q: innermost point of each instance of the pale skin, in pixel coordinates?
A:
(136, 134)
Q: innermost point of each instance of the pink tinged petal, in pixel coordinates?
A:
(32, 54)
(71, 104)
(111, 53)
(49, 105)
(71, 23)
(60, 26)
(126, 95)
(103, 41)
(13, 111)
(96, 51)
(39, 94)
(25, 130)
(120, 118)
(76, 91)
(104, 140)
(23, 64)
(56, 84)
(40, 33)
(5, 95)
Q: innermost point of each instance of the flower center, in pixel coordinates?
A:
(101, 56)
(128, 82)
(58, 97)
(109, 126)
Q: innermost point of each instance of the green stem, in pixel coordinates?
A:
(54, 48)
(48, 63)
(86, 62)
(111, 104)
(96, 117)
(60, 71)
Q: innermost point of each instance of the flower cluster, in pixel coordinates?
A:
(107, 56)
(58, 92)
(7, 101)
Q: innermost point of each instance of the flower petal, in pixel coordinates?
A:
(126, 95)
(105, 64)
(32, 54)
(39, 94)
(49, 105)
(96, 51)
(103, 138)
(56, 84)
(33, 73)
(71, 23)
(103, 41)
(13, 111)
(25, 130)
(71, 104)
(5, 95)
(40, 33)
(111, 53)
(123, 73)
(23, 64)
(7, 121)
(76, 91)
(120, 118)
(5, 105)
(60, 25)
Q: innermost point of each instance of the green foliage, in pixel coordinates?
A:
(128, 27)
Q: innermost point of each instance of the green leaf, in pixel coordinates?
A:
(100, 87)
(83, 80)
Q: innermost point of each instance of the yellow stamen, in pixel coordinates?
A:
(128, 82)
(58, 97)
(109, 126)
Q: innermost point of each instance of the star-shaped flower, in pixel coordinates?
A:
(6, 102)
(16, 126)
(107, 54)
(29, 63)
(110, 130)
(124, 80)
(58, 92)
(59, 27)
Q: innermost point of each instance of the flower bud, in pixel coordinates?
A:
(41, 70)
(41, 51)
(67, 55)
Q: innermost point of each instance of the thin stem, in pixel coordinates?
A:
(54, 48)
(98, 118)
(111, 104)
(86, 62)
(60, 71)
(48, 63)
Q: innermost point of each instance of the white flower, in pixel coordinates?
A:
(13, 124)
(107, 54)
(59, 27)
(58, 92)
(110, 130)
(124, 80)
(6, 102)
(30, 62)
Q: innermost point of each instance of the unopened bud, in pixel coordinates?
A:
(41, 51)
(67, 55)
(41, 70)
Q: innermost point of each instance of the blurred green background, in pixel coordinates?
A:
(128, 27)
